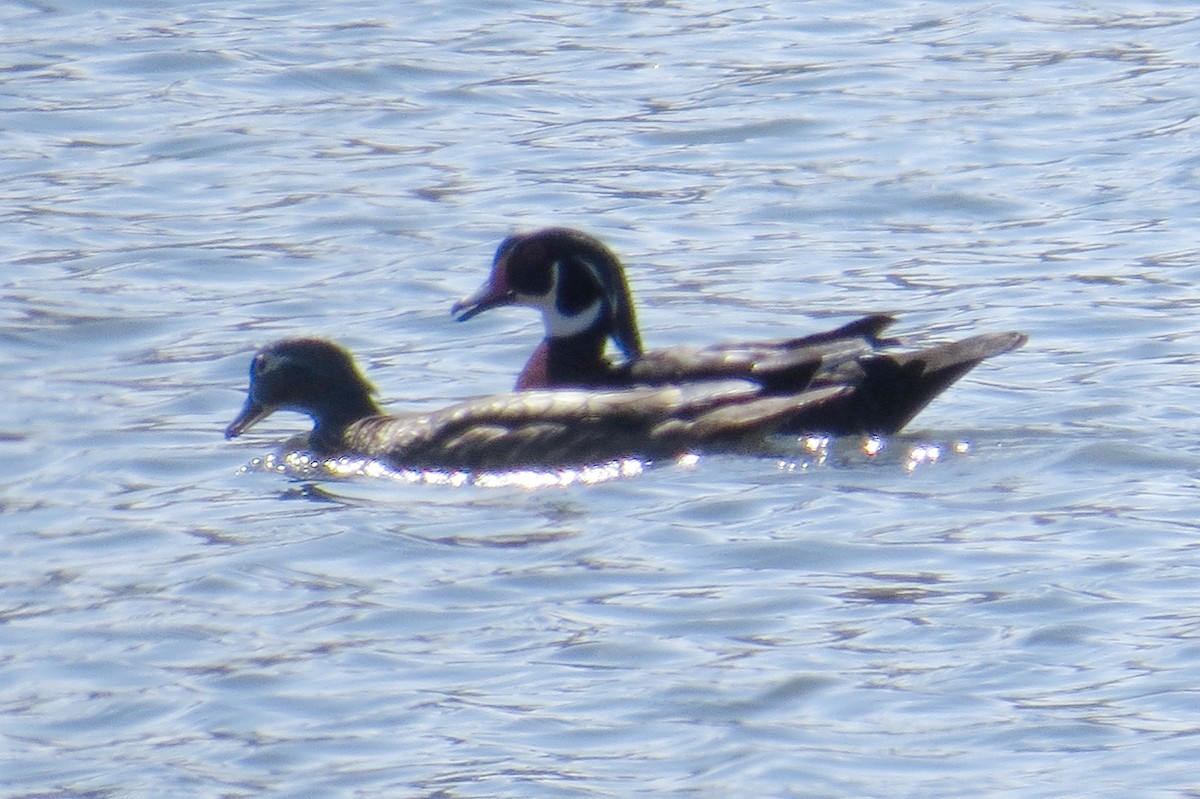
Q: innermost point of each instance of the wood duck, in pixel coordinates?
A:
(580, 288)
(527, 429)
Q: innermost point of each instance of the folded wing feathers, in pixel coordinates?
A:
(534, 427)
(544, 426)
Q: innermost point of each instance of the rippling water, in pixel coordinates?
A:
(1003, 600)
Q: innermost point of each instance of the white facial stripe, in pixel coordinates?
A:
(558, 324)
(606, 286)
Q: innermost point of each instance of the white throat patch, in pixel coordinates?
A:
(561, 326)
(558, 324)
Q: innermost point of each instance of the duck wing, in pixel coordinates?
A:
(787, 365)
(577, 427)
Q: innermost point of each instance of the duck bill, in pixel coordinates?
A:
(250, 415)
(489, 295)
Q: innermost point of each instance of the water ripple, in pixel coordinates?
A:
(1000, 597)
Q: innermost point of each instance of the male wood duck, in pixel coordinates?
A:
(580, 288)
(526, 429)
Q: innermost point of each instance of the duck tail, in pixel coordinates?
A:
(897, 386)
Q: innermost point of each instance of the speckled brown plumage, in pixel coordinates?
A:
(546, 428)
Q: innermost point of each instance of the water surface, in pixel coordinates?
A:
(1003, 598)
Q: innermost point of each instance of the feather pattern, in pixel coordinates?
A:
(543, 428)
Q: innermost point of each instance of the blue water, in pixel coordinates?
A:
(1004, 601)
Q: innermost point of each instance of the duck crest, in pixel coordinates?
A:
(603, 271)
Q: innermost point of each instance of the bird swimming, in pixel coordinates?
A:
(523, 429)
(580, 288)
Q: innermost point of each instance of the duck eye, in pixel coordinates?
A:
(530, 271)
(261, 364)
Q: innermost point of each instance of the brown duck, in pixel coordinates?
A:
(525, 429)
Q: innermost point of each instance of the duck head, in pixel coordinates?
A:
(570, 276)
(309, 376)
